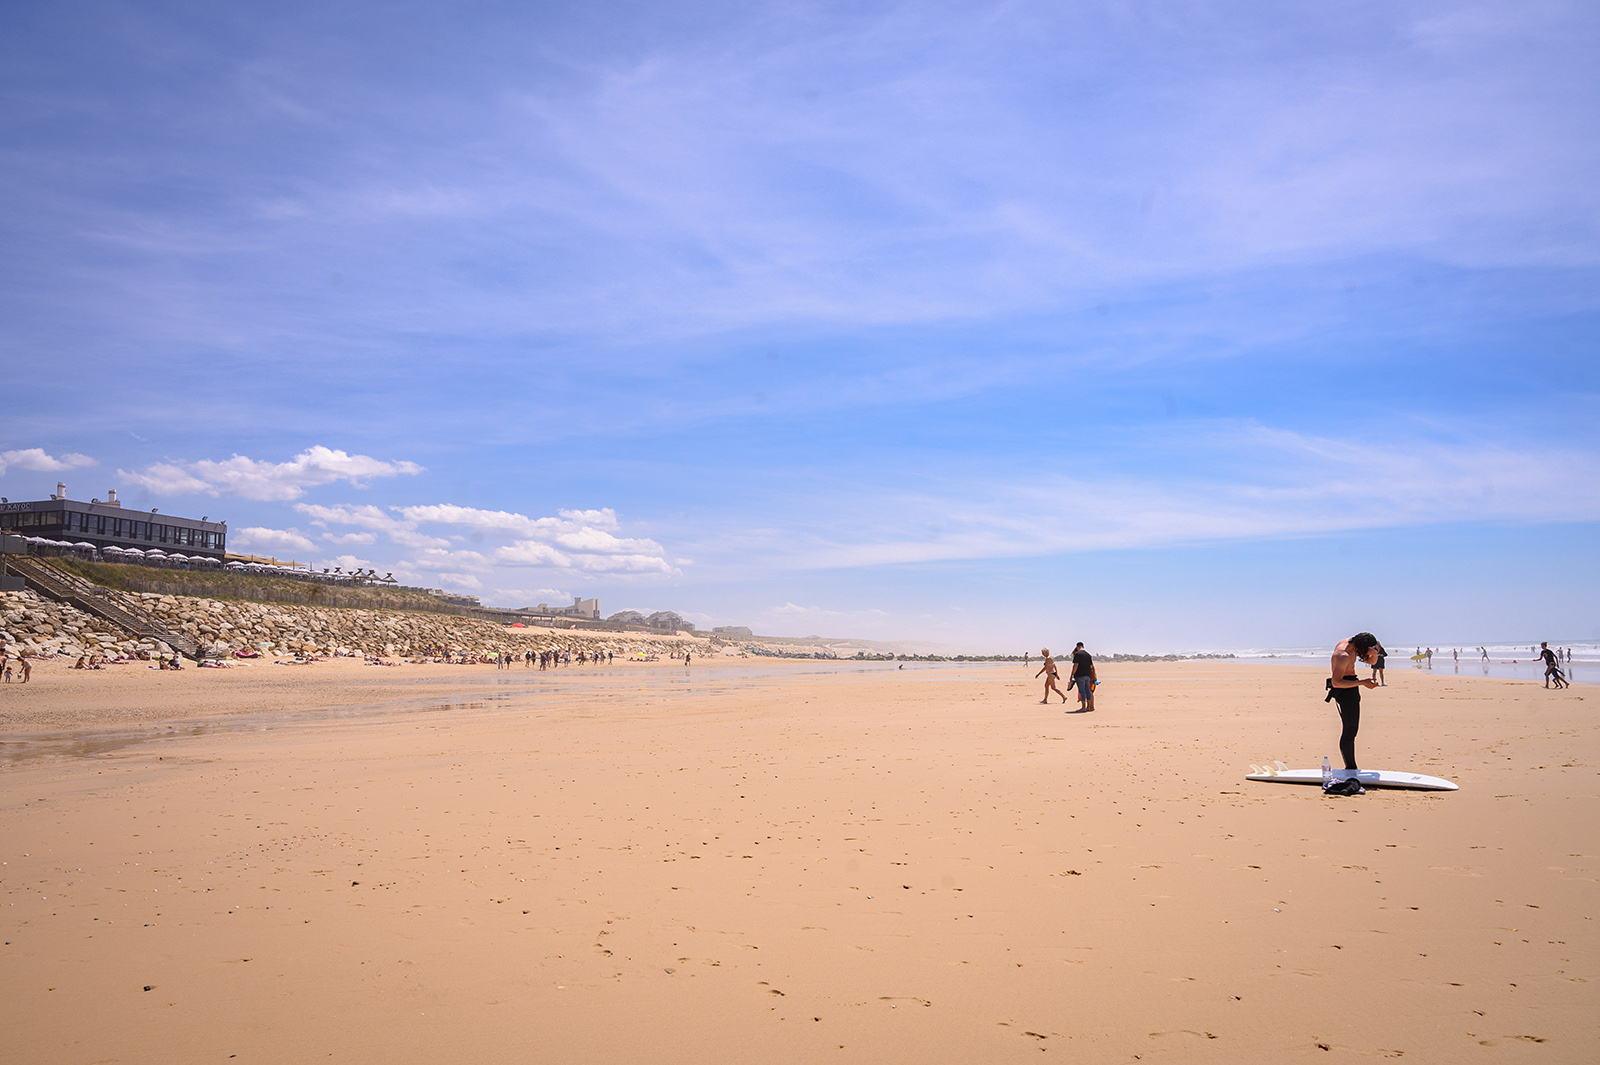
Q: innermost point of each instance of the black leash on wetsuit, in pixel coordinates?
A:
(1328, 683)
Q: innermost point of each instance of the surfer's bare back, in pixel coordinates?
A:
(1344, 688)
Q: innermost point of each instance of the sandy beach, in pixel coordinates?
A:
(797, 862)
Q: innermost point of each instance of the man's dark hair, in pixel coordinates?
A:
(1080, 644)
(1363, 642)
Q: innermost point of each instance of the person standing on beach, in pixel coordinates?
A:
(1377, 667)
(1048, 671)
(1083, 675)
(1344, 688)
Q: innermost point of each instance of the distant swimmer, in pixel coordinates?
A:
(1485, 652)
(1344, 688)
(1083, 675)
(1048, 671)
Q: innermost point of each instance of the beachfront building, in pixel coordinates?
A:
(580, 608)
(106, 524)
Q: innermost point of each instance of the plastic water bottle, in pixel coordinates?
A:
(1327, 771)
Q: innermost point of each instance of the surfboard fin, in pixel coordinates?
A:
(1256, 770)
(1281, 767)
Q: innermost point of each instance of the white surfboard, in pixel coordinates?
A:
(1369, 778)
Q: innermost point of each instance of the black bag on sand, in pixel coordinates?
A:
(1347, 786)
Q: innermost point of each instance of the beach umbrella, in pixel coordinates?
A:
(175, 557)
(80, 543)
(154, 552)
(132, 551)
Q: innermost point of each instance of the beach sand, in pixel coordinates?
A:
(746, 861)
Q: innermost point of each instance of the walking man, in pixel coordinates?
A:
(1344, 688)
(1083, 675)
(1048, 671)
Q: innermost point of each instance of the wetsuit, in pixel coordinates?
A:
(1349, 700)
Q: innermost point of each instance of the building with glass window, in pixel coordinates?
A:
(108, 524)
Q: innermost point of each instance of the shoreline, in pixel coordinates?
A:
(62, 701)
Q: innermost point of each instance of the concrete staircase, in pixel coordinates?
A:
(121, 610)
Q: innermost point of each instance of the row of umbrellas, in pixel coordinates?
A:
(125, 552)
(158, 555)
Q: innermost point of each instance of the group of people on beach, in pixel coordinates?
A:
(1083, 677)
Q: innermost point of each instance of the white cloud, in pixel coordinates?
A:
(346, 562)
(460, 580)
(366, 516)
(256, 538)
(37, 459)
(581, 540)
(350, 539)
(249, 478)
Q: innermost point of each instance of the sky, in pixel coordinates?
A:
(1161, 326)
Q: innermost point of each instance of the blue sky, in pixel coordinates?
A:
(1154, 325)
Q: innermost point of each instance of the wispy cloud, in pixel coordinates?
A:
(1203, 484)
(258, 538)
(40, 461)
(249, 478)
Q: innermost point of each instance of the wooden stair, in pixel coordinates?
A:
(121, 610)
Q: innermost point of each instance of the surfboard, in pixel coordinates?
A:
(1369, 778)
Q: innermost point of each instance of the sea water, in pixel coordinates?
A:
(1518, 661)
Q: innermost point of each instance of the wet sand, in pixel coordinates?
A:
(750, 862)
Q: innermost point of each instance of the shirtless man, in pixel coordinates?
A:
(1048, 671)
(1344, 688)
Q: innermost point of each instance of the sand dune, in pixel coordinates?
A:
(787, 862)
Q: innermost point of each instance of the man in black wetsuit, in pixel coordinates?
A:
(1344, 688)
(1552, 667)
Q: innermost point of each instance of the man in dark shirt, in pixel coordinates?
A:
(1083, 676)
(1551, 669)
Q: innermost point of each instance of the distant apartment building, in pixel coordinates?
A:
(732, 630)
(104, 523)
(580, 608)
